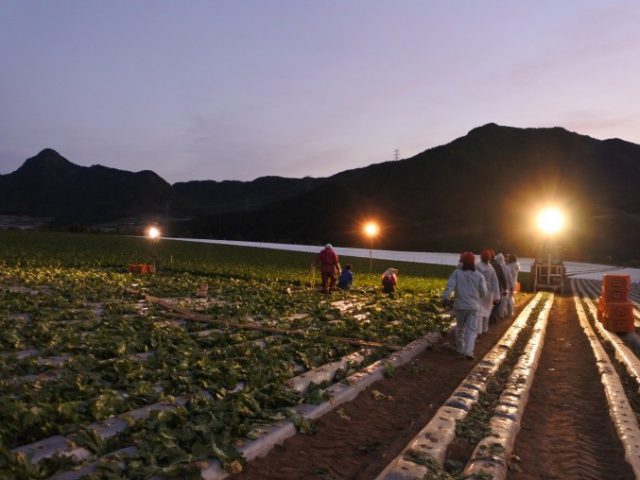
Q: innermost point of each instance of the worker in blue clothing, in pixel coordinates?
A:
(346, 278)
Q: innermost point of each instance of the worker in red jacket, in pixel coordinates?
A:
(329, 265)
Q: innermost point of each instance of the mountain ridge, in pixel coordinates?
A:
(477, 189)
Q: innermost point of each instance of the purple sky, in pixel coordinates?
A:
(240, 89)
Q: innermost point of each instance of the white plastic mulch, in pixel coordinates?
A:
(575, 269)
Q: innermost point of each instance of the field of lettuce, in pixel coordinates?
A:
(90, 366)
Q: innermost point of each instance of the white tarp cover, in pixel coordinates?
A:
(575, 269)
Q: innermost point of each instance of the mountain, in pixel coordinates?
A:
(482, 189)
(208, 196)
(49, 185)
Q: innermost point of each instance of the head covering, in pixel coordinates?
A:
(500, 259)
(390, 271)
(328, 245)
(468, 261)
(485, 256)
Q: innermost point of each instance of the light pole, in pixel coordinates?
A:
(371, 230)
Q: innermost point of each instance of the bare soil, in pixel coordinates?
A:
(566, 429)
(357, 440)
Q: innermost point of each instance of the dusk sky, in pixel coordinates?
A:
(241, 89)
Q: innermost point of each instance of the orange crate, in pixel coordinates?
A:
(620, 325)
(615, 296)
(601, 303)
(619, 310)
(616, 283)
(141, 268)
(618, 317)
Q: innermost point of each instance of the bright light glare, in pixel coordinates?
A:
(371, 229)
(153, 233)
(550, 220)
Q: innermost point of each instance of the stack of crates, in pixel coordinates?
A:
(615, 311)
(142, 268)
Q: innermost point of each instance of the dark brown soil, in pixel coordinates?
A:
(566, 430)
(357, 440)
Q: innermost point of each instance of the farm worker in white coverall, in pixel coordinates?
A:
(469, 287)
(514, 267)
(504, 297)
(493, 291)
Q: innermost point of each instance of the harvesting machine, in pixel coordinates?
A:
(549, 272)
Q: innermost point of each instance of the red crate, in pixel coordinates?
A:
(619, 325)
(618, 317)
(141, 268)
(616, 283)
(601, 303)
(619, 310)
(615, 296)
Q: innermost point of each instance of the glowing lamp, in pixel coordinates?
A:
(371, 229)
(550, 221)
(153, 233)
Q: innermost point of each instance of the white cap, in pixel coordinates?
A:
(328, 245)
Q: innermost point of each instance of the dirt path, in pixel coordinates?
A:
(359, 439)
(566, 430)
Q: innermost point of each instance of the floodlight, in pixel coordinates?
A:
(550, 220)
(371, 229)
(153, 233)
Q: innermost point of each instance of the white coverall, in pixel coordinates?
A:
(469, 287)
(514, 268)
(493, 295)
(504, 299)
